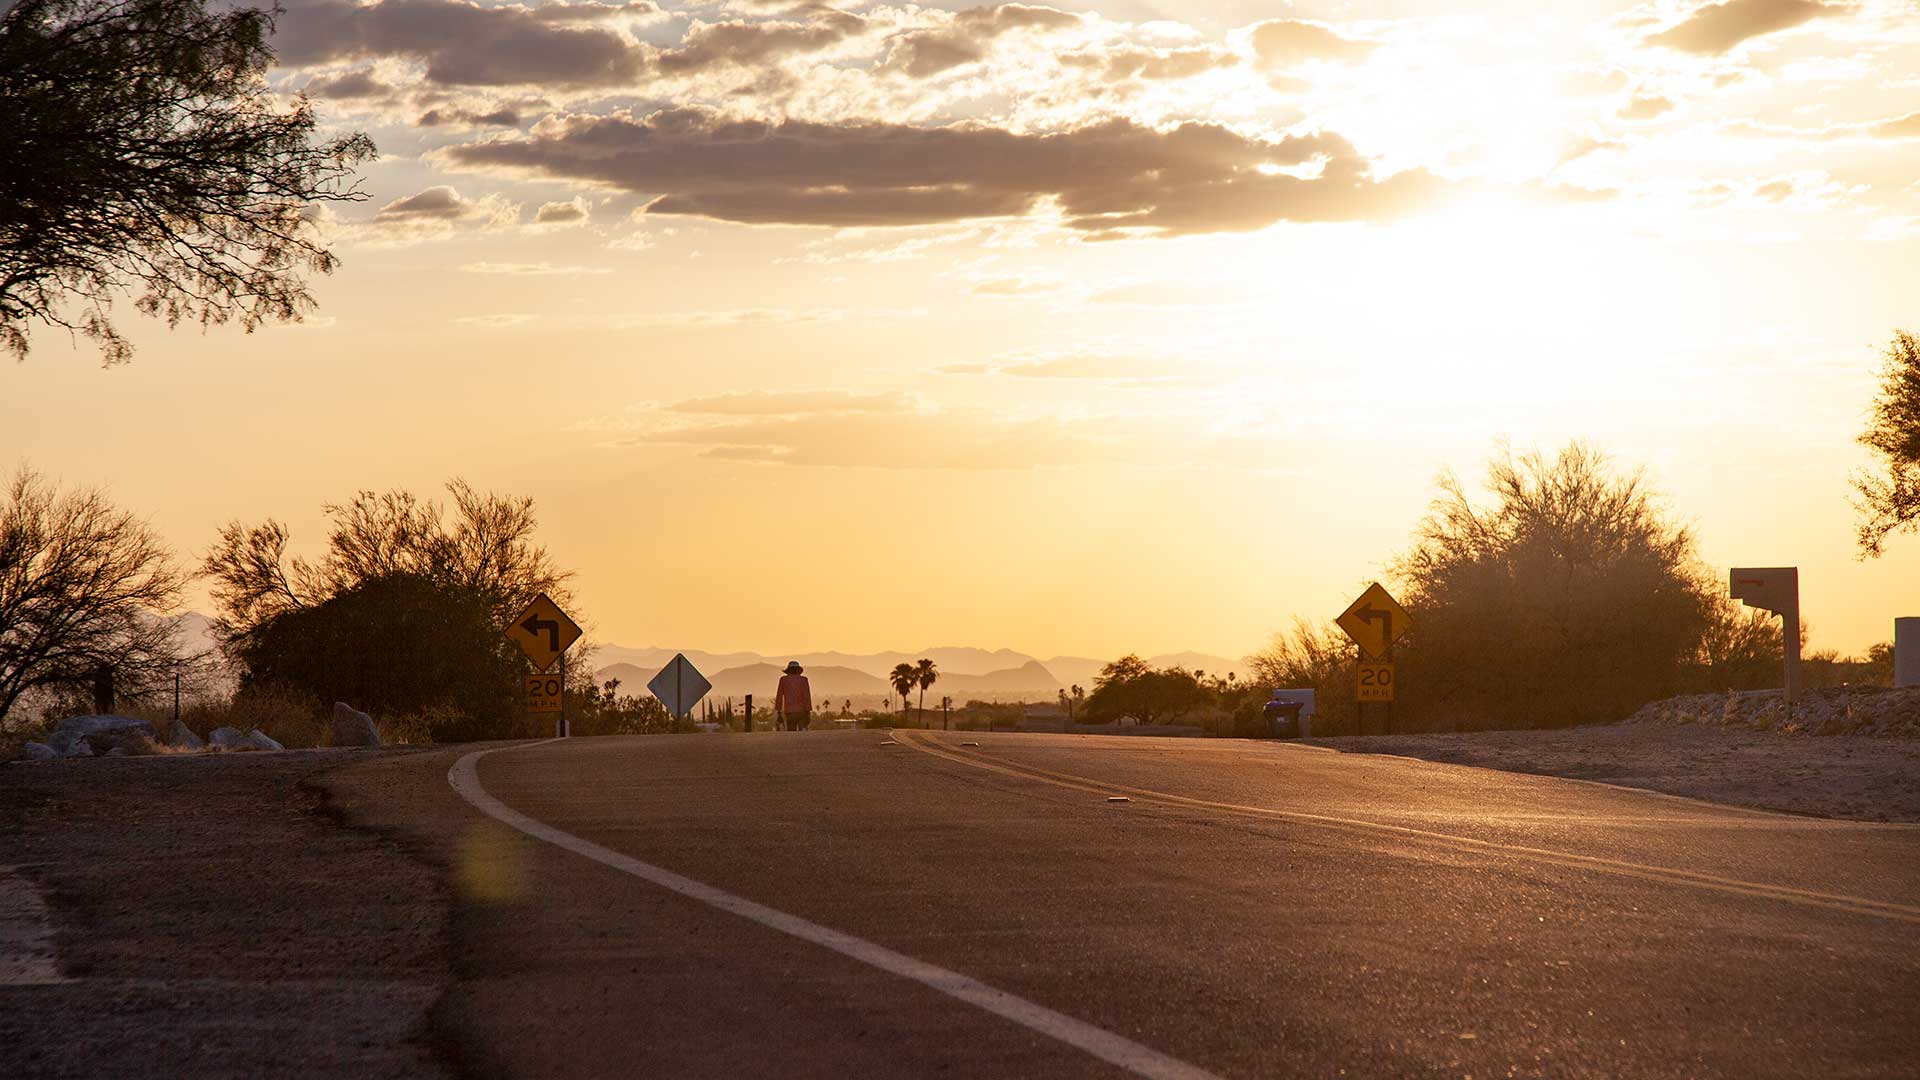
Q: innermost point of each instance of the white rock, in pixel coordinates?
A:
(118, 751)
(259, 740)
(183, 738)
(351, 727)
(226, 738)
(38, 751)
(78, 748)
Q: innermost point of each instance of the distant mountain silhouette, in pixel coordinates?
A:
(954, 659)
(1030, 677)
(1083, 670)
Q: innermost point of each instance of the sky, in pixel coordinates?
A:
(1077, 329)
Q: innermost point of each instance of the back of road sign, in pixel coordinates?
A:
(679, 686)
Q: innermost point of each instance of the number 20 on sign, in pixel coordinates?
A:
(1376, 682)
(543, 693)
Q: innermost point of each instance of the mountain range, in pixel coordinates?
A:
(964, 672)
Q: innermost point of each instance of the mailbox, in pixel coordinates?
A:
(1771, 588)
(1775, 589)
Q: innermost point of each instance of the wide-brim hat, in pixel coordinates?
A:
(794, 668)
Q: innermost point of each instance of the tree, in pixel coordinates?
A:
(142, 150)
(83, 586)
(1571, 599)
(1130, 687)
(924, 676)
(422, 594)
(1079, 695)
(1891, 502)
(902, 678)
(486, 549)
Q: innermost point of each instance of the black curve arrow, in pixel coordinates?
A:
(535, 624)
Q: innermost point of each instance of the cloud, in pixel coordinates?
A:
(754, 44)
(1285, 43)
(464, 43)
(502, 321)
(431, 214)
(1891, 128)
(562, 215)
(924, 53)
(1090, 365)
(1112, 176)
(1712, 29)
(351, 84)
(467, 118)
(1647, 107)
(1120, 63)
(1015, 285)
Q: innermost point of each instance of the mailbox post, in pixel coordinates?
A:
(1775, 589)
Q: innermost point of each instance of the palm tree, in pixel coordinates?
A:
(903, 677)
(924, 676)
(1077, 695)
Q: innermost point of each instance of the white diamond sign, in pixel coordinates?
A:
(679, 686)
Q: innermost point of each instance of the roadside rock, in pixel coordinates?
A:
(226, 738)
(351, 727)
(77, 748)
(259, 740)
(118, 751)
(183, 738)
(104, 732)
(1839, 710)
(38, 751)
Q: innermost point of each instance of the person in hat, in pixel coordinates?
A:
(793, 699)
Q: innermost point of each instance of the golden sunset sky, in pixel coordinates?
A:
(1076, 329)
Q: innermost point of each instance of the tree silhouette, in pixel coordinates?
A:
(142, 150)
(82, 586)
(924, 676)
(1078, 695)
(903, 677)
(1892, 502)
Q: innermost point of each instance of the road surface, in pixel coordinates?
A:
(922, 903)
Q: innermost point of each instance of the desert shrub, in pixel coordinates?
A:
(1571, 599)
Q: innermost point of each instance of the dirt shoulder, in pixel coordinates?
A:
(218, 918)
(1857, 777)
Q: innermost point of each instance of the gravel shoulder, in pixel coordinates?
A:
(1855, 777)
(218, 917)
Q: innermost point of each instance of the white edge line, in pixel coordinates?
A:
(1114, 1049)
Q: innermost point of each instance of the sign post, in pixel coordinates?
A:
(1374, 621)
(545, 633)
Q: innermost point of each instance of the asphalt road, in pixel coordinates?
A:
(827, 904)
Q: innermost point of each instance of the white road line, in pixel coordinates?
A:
(27, 955)
(464, 776)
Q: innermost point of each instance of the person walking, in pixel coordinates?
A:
(793, 699)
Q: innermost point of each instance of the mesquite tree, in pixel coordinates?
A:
(83, 586)
(1891, 502)
(142, 153)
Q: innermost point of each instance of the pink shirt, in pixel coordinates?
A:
(793, 696)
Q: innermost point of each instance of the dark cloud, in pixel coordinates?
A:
(593, 12)
(747, 44)
(1712, 29)
(1115, 175)
(461, 43)
(352, 84)
(1282, 43)
(465, 118)
(925, 53)
(440, 202)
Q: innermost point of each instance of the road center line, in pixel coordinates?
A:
(1114, 1049)
(1858, 905)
